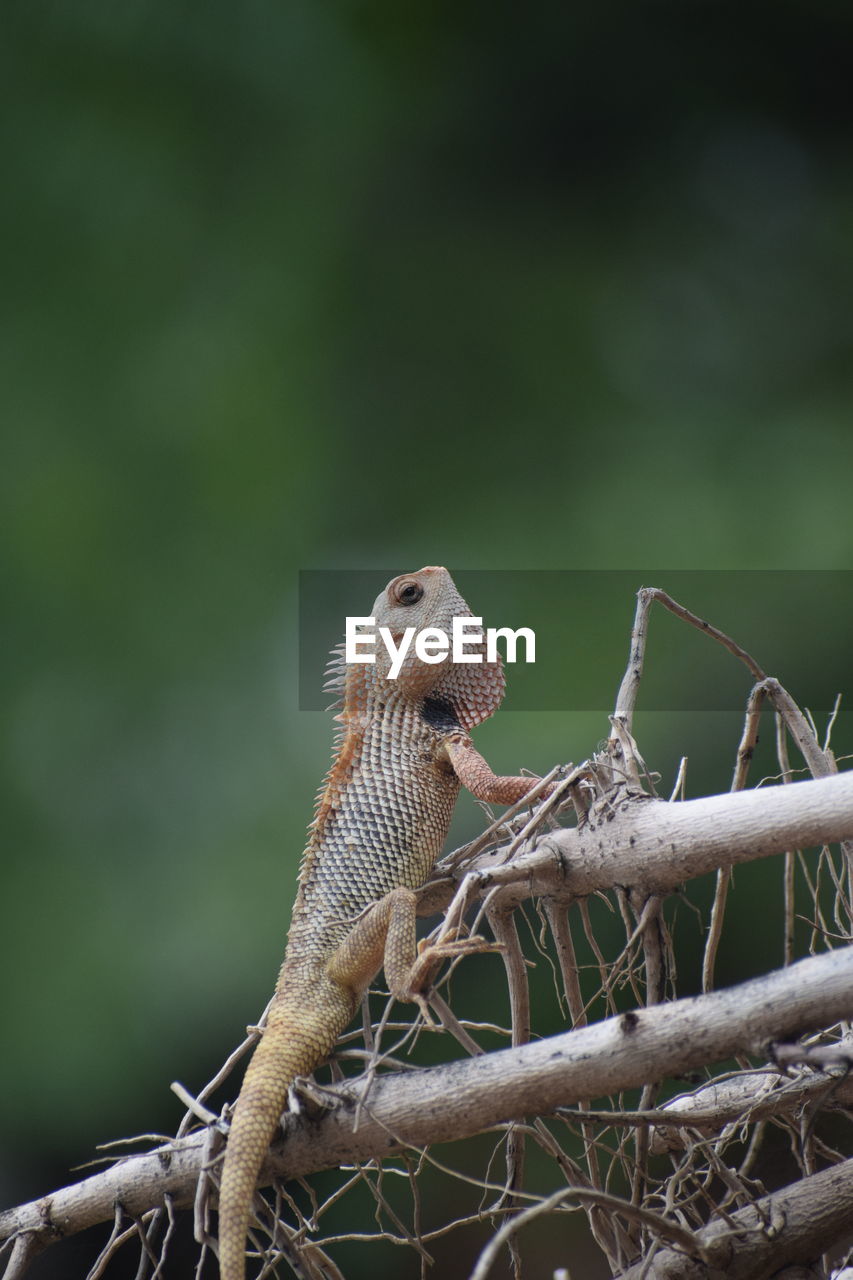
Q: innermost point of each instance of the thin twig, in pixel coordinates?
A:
(788, 874)
(746, 750)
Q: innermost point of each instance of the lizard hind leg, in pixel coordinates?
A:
(386, 937)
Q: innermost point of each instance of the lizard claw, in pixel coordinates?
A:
(430, 955)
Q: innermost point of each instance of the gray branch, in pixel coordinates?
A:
(655, 846)
(447, 1103)
(793, 1225)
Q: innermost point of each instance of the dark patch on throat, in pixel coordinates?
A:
(440, 715)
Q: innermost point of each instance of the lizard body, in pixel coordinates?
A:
(381, 820)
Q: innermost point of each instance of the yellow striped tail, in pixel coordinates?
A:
(300, 1032)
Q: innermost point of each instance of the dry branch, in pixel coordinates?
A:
(657, 845)
(447, 1103)
(751, 1095)
(793, 1225)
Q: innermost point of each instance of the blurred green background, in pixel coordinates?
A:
(293, 286)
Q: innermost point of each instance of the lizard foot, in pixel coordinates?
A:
(431, 954)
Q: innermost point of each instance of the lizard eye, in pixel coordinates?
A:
(408, 592)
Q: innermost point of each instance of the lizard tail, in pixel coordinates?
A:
(298, 1035)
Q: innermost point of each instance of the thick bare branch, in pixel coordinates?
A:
(657, 845)
(446, 1103)
(750, 1095)
(794, 1225)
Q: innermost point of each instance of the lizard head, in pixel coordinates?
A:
(425, 600)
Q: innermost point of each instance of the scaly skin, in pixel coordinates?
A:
(381, 820)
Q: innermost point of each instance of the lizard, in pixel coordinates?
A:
(403, 752)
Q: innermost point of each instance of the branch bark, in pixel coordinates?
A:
(752, 1095)
(793, 1225)
(657, 845)
(447, 1103)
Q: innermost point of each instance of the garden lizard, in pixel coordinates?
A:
(382, 815)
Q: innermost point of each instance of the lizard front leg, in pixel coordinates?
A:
(476, 775)
(386, 937)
